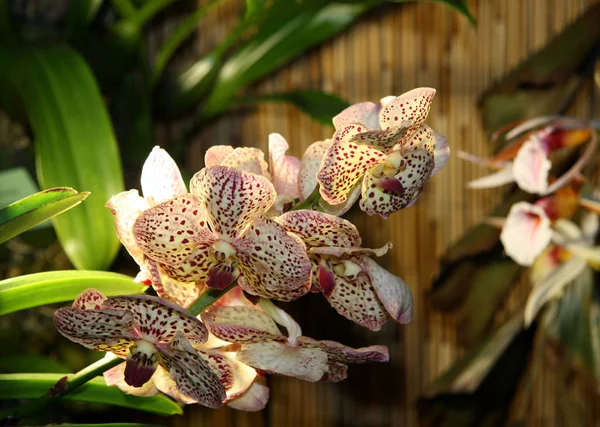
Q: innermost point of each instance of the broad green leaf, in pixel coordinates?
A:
(74, 143)
(32, 290)
(253, 6)
(31, 386)
(14, 363)
(289, 30)
(319, 105)
(35, 209)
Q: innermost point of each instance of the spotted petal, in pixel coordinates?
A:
(241, 324)
(233, 199)
(169, 232)
(344, 164)
(271, 258)
(311, 162)
(320, 229)
(412, 106)
(90, 299)
(106, 330)
(392, 291)
(309, 364)
(181, 293)
(159, 320)
(365, 113)
(284, 169)
(354, 299)
(247, 159)
(126, 207)
(161, 179)
(338, 352)
(216, 154)
(192, 374)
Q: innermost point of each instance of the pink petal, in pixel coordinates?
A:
(271, 259)
(126, 207)
(163, 381)
(248, 159)
(441, 153)
(351, 252)
(526, 233)
(234, 298)
(357, 300)
(282, 318)
(320, 229)
(344, 164)
(158, 320)
(116, 377)
(365, 113)
(169, 231)
(338, 352)
(216, 154)
(106, 330)
(308, 364)
(161, 179)
(255, 398)
(502, 177)
(412, 106)
(531, 167)
(241, 324)
(192, 374)
(284, 169)
(310, 165)
(233, 199)
(90, 299)
(243, 377)
(392, 292)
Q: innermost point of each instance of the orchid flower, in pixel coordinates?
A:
(281, 170)
(161, 181)
(219, 234)
(526, 160)
(571, 253)
(356, 286)
(527, 231)
(264, 347)
(388, 147)
(148, 332)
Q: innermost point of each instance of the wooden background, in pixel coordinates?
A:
(388, 52)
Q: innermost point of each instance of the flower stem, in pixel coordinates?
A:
(63, 386)
(208, 298)
(311, 202)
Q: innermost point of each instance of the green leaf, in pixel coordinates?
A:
(35, 209)
(75, 144)
(31, 386)
(253, 6)
(15, 363)
(291, 28)
(459, 5)
(32, 290)
(321, 106)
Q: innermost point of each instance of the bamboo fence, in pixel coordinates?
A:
(389, 52)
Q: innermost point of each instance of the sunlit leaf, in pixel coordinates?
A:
(321, 106)
(74, 143)
(35, 209)
(30, 386)
(32, 290)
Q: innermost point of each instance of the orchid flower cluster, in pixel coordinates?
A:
(256, 230)
(541, 234)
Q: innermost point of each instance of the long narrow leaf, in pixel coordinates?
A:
(31, 386)
(15, 363)
(75, 144)
(35, 209)
(32, 290)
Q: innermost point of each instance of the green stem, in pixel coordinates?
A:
(208, 298)
(125, 8)
(311, 202)
(65, 385)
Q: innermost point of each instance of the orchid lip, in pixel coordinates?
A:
(347, 269)
(223, 250)
(141, 363)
